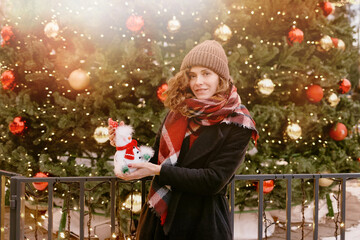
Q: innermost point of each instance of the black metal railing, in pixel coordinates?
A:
(17, 197)
(342, 177)
(4, 176)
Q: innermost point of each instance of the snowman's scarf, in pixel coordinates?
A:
(129, 153)
(177, 127)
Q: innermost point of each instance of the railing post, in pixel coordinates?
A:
(232, 206)
(260, 208)
(343, 201)
(112, 203)
(17, 208)
(50, 209)
(2, 208)
(316, 208)
(288, 207)
(82, 209)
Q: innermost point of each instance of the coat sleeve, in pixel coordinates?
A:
(212, 179)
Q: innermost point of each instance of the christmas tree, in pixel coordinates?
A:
(297, 63)
(68, 66)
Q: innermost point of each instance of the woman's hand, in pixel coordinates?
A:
(144, 169)
(112, 135)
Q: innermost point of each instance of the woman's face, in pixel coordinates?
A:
(203, 82)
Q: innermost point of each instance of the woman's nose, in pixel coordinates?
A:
(199, 80)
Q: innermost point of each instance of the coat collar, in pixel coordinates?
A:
(206, 142)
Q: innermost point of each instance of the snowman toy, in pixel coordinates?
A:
(127, 150)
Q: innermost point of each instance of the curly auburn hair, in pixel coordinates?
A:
(179, 90)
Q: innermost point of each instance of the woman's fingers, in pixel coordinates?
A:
(120, 175)
(112, 135)
(112, 143)
(137, 174)
(129, 176)
(124, 176)
(136, 165)
(143, 169)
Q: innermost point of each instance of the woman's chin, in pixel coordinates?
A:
(202, 96)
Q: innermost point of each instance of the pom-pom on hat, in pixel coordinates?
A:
(209, 54)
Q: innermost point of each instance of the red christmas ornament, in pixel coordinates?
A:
(314, 93)
(327, 7)
(7, 35)
(8, 80)
(338, 132)
(17, 126)
(134, 23)
(295, 35)
(268, 186)
(344, 86)
(40, 185)
(160, 92)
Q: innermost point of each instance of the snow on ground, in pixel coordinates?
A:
(352, 233)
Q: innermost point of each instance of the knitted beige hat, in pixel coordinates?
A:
(209, 54)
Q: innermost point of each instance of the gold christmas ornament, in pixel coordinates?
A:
(266, 86)
(223, 32)
(79, 79)
(136, 202)
(325, 182)
(101, 134)
(173, 25)
(51, 29)
(293, 131)
(326, 43)
(333, 100)
(341, 45)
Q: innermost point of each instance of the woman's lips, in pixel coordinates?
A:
(201, 90)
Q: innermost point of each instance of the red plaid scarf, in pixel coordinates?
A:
(177, 127)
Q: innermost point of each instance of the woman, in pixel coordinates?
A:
(200, 145)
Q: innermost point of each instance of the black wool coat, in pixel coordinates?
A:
(198, 208)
